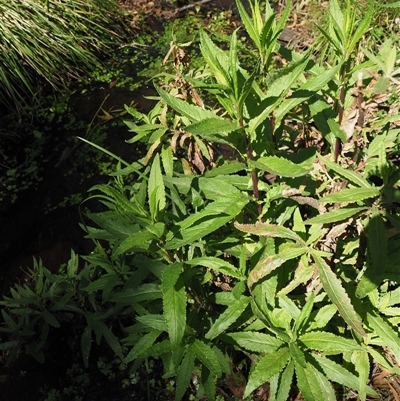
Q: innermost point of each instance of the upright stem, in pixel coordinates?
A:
(338, 143)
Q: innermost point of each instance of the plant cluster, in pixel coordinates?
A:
(52, 41)
(258, 239)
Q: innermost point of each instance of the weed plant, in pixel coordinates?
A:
(276, 262)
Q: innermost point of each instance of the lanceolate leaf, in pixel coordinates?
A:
(377, 246)
(206, 355)
(361, 362)
(338, 295)
(339, 374)
(335, 215)
(228, 317)
(265, 368)
(145, 292)
(329, 342)
(174, 303)
(270, 263)
(387, 333)
(142, 345)
(308, 383)
(282, 167)
(211, 126)
(156, 189)
(194, 113)
(352, 176)
(256, 342)
(270, 230)
(212, 217)
(350, 195)
(219, 265)
(184, 375)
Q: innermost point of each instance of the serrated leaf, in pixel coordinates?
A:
(361, 362)
(228, 317)
(339, 374)
(145, 292)
(322, 317)
(256, 342)
(219, 265)
(285, 384)
(336, 130)
(156, 189)
(207, 357)
(308, 383)
(349, 195)
(272, 262)
(329, 342)
(387, 333)
(212, 217)
(282, 167)
(136, 240)
(194, 113)
(265, 368)
(184, 375)
(352, 176)
(270, 230)
(174, 303)
(144, 343)
(212, 126)
(338, 295)
(297, 355)
(154, 321)
(335, 215)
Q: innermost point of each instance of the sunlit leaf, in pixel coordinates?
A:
(350, 195)
(328, 342)
(256, 342)
(335, 215)
(206, 355)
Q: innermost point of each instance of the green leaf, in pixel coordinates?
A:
(184, 374)
(212, 217)
(207, 357)
(145, 292)
(86, 344)
(387, 333)
(304, 315)
(228, 317)
(335, 215)
(297, 354)
(156, 189)
(153, 321)
(285, 383)
(209, 127)
(248, 24)
(194, 113)
(336, 130)
(167, 159)
(139, 239)
(256, 342)
(339, 374)
(265, 368)
(50, 318)
(219, 265)
(270, 263)
(144, 343)
(329, 342)
(350, 195)
(312, 385)
(174, 303)
(338, 295)
(352, 176)
(270, 230)
(360, 359)
(282, 167)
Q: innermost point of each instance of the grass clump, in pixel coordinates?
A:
(52, 42)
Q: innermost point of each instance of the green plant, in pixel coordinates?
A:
(53, 42)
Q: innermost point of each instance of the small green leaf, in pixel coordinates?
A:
(387, 333)
(50, 318)
(352, 176)
(360, 360)
(336, 130)
(156, 189)
(338, 295)
(270, 263)
(145, 292)
(207, 357)
(174, 303)
(256, 342)
(184, 375)
(335, 215)
(228, 317)
(282, 167)
(339, 374)
(219, 265)
(297, 354)
(144, 343)
(153, 321)
(285, 383)
(350, 195)
(270, 230)
(329, 342)
(265, 368)
(212, 126)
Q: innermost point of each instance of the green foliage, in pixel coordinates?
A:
(281, 254)
(52, 41)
